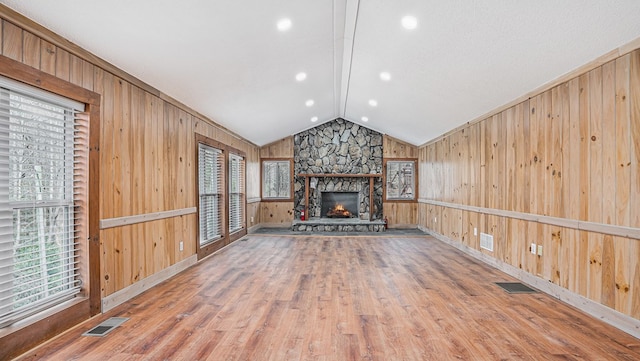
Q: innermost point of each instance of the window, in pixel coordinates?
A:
(236, 193)
(210, 161)
(43, 142)
(276, 179)
(400, 179)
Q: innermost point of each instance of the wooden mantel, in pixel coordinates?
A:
(337, 175)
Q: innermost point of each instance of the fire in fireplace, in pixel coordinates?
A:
(339, 204)
(338, 211)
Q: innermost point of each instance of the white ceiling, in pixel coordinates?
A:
(227, 60)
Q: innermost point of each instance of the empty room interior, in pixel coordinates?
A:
(319, 180)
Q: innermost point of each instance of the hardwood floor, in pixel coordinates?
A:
(343, 298)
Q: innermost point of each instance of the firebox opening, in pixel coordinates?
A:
(339, 204)
(338, 211)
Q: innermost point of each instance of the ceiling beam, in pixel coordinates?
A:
(345, 21)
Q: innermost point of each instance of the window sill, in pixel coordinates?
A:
(53, 311)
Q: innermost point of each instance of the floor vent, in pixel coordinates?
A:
(486, 241)
(516, 287)
(106, 326)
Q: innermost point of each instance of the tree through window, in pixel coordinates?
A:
(400, 180)
(40, 138)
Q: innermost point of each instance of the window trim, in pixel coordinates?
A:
(19, 338)
(242, 231)
(415, 180)
(291, 182)
(203, 250)
(228, 237)
(63, 120)
(243, 191)
(219, 193)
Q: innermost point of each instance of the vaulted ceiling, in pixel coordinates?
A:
(229, 61)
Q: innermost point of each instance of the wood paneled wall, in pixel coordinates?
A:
(277, 213)
(567, 156)
(399, 214)
(148, 154)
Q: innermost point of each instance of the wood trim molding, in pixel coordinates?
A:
(619, 320)
(254, 200)
(611, 229)
(127, 293)
(147, 217)
(612, 55)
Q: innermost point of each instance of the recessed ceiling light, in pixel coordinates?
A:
(314, 119)
(284, 24)
(385, 76)
(309, 102)
(409, 22)
(301, 76)
(364, 119)
(373, 102)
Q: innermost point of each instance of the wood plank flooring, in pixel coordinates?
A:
(343, 298)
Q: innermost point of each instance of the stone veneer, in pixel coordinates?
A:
(338, 147)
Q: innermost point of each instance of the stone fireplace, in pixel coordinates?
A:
(347, 159)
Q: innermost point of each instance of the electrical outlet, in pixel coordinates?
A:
(539, 250)
(251, 219)
(181, 246)
(533, 248)
(475, 231)
(435, 219)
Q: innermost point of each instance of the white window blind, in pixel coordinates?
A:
(236, 193)
(210, 161)
(43, 165)
(276, 179)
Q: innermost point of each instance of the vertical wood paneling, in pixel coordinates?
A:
(570, 152)
(276, 212)
(595, 182)
(395, 148)
(464, 168)
(608, 143)
(609, 182)
(137, 140)
(569, 178)
(148, 205)
(75, 70)
(623, 182)
(31, 50)
(62, 64)
(623, 162)
(11, 41)
(634, 197)
(518, 186)
(87, 75)
(47, 57)
(579, 272)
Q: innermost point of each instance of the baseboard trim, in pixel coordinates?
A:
(127, 293)
(617, 319)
